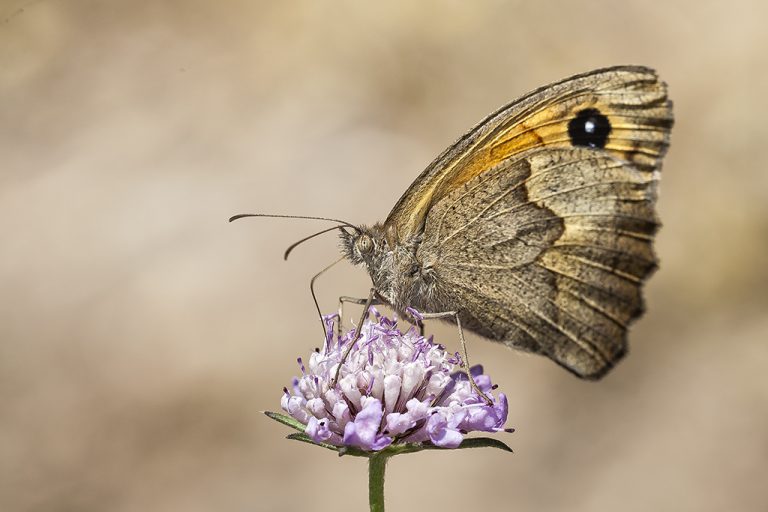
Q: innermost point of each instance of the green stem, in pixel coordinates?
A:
(376, 467)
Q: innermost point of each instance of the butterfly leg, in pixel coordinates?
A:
(455, 315)
(358, 331)
(353, 300)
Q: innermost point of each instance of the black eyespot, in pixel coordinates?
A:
(589, 128)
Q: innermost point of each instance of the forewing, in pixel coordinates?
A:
(547, 251)
(632, 97)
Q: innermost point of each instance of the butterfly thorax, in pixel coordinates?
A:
(396, 272)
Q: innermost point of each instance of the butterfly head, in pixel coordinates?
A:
(395, 272)
(364, 246)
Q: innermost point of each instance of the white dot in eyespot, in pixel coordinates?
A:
(589, 126)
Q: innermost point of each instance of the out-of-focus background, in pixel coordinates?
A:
(141, 334)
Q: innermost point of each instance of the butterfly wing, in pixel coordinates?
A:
(632, 97)
(547, 252)
(546, 247)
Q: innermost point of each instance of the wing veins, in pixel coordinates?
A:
(630, 234)
(585, 345)
(561, 192)
(595, 307)
(465, 194)
(593, 264)
(585, 283)
(512, 319)
(606, 249)
(503, 194)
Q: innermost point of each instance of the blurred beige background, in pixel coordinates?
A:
(141, 335)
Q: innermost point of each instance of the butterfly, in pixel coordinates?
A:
(536, 226)
(535, 229)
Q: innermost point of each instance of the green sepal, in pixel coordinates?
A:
(474, 442)
(286, 420)
(397, 449)
(304, 438)
(484, 442)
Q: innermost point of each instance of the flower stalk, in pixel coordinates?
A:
(377, 465)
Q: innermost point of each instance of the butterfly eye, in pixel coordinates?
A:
(364, 244)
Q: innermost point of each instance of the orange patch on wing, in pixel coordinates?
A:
(547, 127)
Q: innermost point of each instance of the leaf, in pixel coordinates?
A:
(475, 442)
(304, 438)
(286, 420)
(484, 442)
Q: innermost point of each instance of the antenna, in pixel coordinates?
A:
(314, 297)
(307, 217)
(295, 244)
(290, 248)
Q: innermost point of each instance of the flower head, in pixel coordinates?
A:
(393, 388)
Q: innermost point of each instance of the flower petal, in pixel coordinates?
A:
(318, 430)
(440, 434)
(392, 386)
(364, 431)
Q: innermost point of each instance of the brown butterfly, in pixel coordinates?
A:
(535, 228)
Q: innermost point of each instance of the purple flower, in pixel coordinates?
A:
(393, 388)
